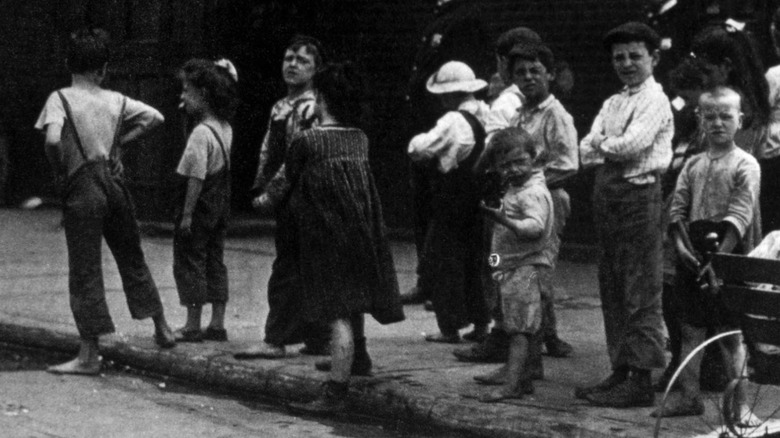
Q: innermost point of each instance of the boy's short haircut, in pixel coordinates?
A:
(532, 52)
(512, 37)
(507, 143)
(721, 91)
(312, 45)
(87, 50)
(631, 32)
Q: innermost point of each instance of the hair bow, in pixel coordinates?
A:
(227, 65)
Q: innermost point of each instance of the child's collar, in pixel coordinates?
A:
(714, 155)
(637, 88)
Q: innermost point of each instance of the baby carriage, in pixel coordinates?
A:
(751, 288)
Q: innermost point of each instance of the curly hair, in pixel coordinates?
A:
(342, 89)
(719, 45)
(221, 91)
(518, 35)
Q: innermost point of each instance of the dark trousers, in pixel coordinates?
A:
(452, 273)
(285, 324)
(198, 265)
(628, 221)
(421, 199)
(98, 206)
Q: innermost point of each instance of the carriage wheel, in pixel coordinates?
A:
(763, 400)
(720, 419)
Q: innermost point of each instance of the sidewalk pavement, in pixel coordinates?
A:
(415, 381)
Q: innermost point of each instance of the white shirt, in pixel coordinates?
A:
(203, 154)
(637, 123)
(96, 113)
(771, 148)
(451, 140)
(502, 110)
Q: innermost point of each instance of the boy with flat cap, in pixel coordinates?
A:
(630, 143)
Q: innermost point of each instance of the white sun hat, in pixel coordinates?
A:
(454, 76)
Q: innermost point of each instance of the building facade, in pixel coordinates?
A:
(153, 37)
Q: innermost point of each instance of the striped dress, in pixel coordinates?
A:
(345, 262)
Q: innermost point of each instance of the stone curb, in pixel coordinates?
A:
(374, 397)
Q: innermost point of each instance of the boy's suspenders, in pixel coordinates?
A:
(113, 154)
(479, 138)
(221, 146)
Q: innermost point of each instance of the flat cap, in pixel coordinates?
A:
(630, 32)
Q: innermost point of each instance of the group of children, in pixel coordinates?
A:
(338, 256)
(532, 149)
(528, 140)
(86, 126)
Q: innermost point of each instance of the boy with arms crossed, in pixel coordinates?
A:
(630, 142)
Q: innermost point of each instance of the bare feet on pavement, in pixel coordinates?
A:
(505, 393)
(262, 351)
(76, 366)
(747, 418)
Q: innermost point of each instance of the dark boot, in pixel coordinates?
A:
(333, 400)
(617, 377)
(494, 349)
(636, 391)
(556, 347)
(361, 365)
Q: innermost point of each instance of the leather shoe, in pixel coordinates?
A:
(556, 347)
(186, 335)
(475, 335)
(215, 334)
(631, 393)
(614, 379)
(494, 349)
(444, 339)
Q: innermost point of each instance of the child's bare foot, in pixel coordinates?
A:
(506, 393)
(747, 418)
(680, 407)
(76, 366)
(497, 377)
